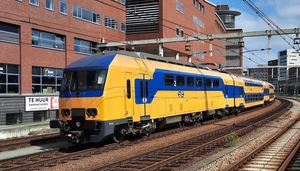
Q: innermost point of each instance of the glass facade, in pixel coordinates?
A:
(9, 79)
(46, 80)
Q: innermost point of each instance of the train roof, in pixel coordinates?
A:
(104, 59)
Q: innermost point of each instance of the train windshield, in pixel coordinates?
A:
(83, 80)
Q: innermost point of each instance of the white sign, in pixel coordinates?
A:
(41, 103)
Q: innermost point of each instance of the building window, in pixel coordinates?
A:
(177, 5)
(9, 79)
(47, 39)
(9, 33)
(34, 2)
(85, 14)
(182, 33)
(202, 9)
(83, 46)
(123, 2)
(46, 80)
(110, 23)
(177, 32)
(49, 4)
(63, 7)
(182, 8)
(123, 27)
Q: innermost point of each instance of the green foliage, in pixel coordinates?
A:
(231, 139)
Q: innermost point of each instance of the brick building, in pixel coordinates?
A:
(164, 19)
(38, 38)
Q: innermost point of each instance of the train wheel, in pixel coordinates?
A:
(215, 116)
(148, 133)
(181, 124)
(218, 115)
(118, 137)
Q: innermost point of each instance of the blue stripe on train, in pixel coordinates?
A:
(157, 83)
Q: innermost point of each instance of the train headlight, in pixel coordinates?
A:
(78, 124)
(65, 112)
(91, 112)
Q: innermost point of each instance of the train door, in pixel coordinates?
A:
(144, 93)
(206, 97)
(129, 97)
(226, 94)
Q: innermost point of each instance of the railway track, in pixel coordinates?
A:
(292, 162)
(179, 155)
(274, 154)
(53, 157)
(16, 143)
(22, 142)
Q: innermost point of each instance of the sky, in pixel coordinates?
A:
(284, 13)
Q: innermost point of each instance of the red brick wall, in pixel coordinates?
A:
(25, 55)
(170, 18)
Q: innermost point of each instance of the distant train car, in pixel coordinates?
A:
(120, 93)
(254, 92)
(271, 92)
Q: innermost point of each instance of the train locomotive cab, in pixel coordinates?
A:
(78, 111)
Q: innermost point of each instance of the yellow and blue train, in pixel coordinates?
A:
(117, 93)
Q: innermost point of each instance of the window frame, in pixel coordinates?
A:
(111, 23)
(43, 39)
(91, 49)
(51, 9)
(43, 73)
(7, 73)
(123, 27)
(177, 32)
(9, 33)
(35, 3)
(182, 8)
(177, 5)
(80, 14)
(60, 7)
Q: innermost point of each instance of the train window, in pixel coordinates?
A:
(198, 82)
(180, 80)
(216, 83)
(208, 83)
(190, 81)
(169, 80)
(128, 92)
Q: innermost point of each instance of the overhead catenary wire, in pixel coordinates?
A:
(268, 21)
(255, 54)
